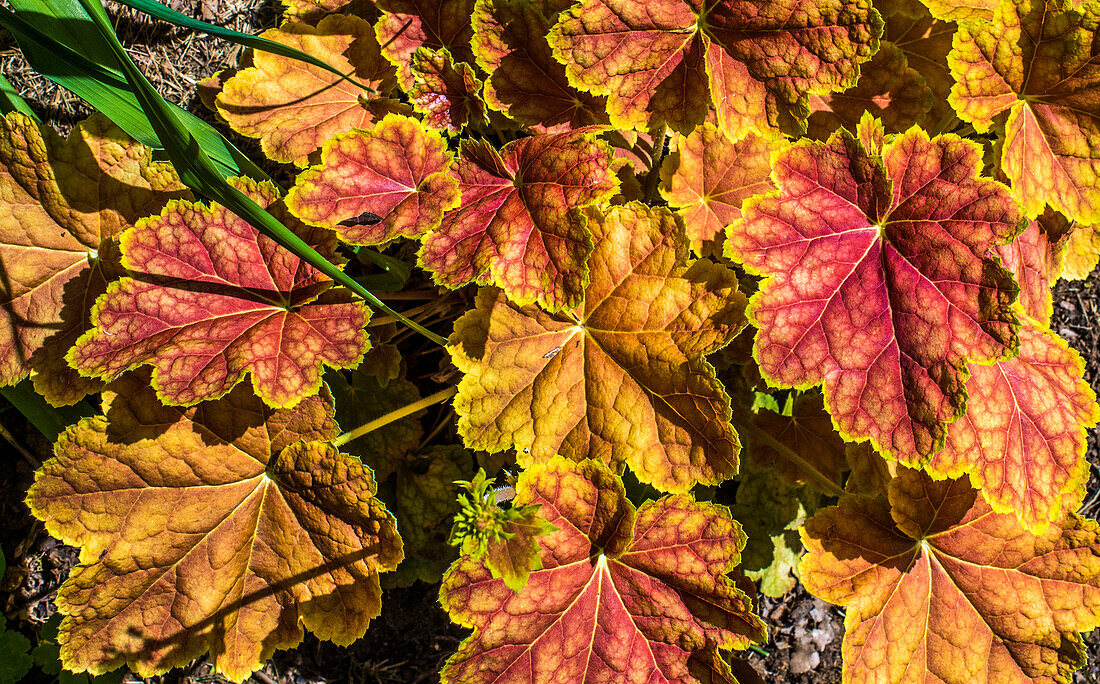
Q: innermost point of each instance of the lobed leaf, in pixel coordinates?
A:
(1038, 60)
(881, 284)
(294, 107)
(940, 588)
(651, 583)
(408, 25)
(667, 61)
(1023, 438)
(213, 299)
(210, 529)
(621, 378)
(65, 202)
(518, 225)
(525, 82)
(399, 171)
(707, 176)
(445, 92)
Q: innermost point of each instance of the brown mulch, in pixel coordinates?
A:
(411, 639)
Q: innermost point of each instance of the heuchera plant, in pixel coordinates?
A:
(662, 236)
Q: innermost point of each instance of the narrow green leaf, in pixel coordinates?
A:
(10, 101)
(50, 421)
(66, 22)
(155, 9)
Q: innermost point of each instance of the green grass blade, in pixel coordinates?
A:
(198, 172)
(66, 22)
(50, 421)
(10, 101)
(155, 9)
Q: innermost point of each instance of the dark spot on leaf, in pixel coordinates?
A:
(365, 219)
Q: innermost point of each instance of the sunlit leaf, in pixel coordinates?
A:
(667, 61)
(373, 186)
(65, 202)
(212, 299)
(213, 529)
(621, 378)
(1035, 259)
(1082, 252)
(1038, 60)
(1023, 438)
(962, 10)
(650, 583)
(518, 225)
(939, 588)
(294, 107)
(880, 281)
(707, 176)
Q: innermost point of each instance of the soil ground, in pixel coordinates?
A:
(413, 636)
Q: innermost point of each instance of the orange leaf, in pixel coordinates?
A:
(408, 25)
(939, 588)
(211, 529)
(398, 175)
(1038, 60)
(621, 378)
(214, 299)
(707, 177)
(525, 81)
(65, 202)
(294, 107)
(518, 224)
(621, 590)
(1023, 437)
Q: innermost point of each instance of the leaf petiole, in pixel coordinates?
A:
(409, 313)
(786, 452)
(382, 421)
(653, 178)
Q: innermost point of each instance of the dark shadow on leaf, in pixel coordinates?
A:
(209, 629)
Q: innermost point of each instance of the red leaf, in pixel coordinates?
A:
(214, 300)
(517, 226)
(621, 591)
